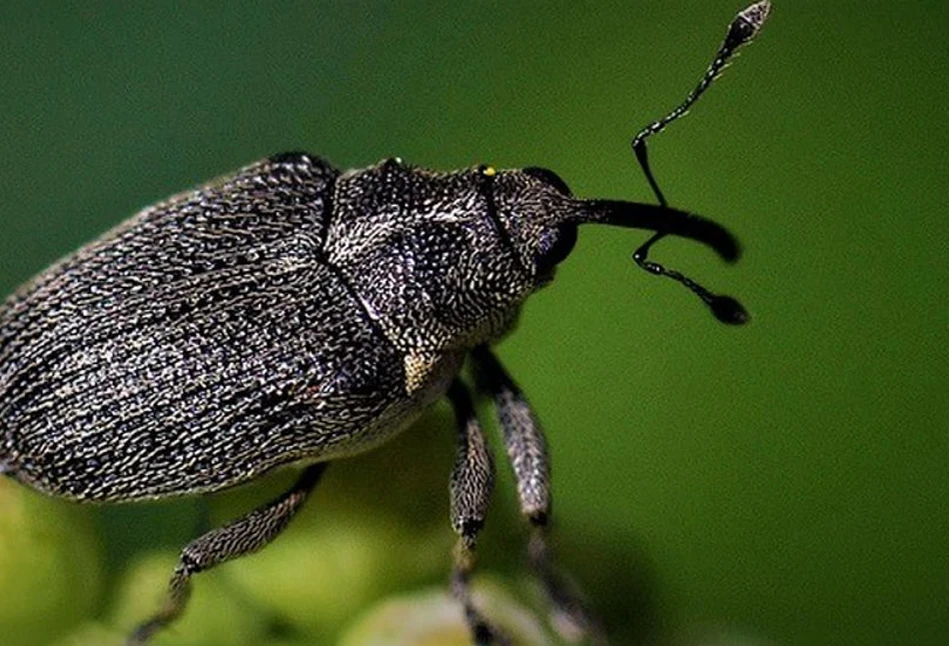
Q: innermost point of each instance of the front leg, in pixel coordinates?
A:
(472, 482)
(527, 451)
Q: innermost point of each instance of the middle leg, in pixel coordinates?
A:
(527, 451)
(472, 482)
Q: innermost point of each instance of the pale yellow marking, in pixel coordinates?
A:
(489, 171)
(418, 369)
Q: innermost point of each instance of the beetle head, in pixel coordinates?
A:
(444, 260)
(540, 217)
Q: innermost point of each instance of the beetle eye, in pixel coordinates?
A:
(555, 245)
(549, 177)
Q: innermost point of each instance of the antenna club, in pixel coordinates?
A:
(728, 310)
(749, 22)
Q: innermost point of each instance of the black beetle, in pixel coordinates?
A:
(294, 314)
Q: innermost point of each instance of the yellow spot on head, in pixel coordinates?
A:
(489, 171)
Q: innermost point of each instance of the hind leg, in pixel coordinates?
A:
(242, 536)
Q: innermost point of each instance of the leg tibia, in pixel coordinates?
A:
(242, 536)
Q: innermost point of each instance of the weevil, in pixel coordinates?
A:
(293, 314)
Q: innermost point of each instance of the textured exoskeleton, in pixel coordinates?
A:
(288, 313)
(294, 314)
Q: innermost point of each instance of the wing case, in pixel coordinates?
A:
(198, 344)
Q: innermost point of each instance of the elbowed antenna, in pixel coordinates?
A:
(742, 30)
(669, 221)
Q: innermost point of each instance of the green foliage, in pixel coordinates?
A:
(432, 618)
(50, 566)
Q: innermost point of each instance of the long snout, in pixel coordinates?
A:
(660, 219)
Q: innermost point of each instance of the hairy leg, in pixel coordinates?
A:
(527, 451)
(472, 482)
(243, 536)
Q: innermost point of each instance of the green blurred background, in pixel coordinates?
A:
(784, 482)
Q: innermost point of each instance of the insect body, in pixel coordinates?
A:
(293, 313)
